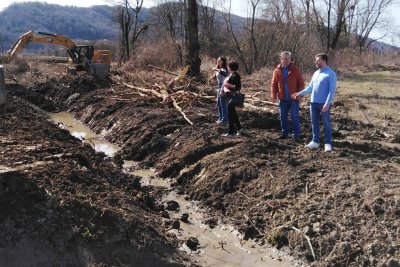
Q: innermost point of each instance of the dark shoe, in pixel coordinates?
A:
(296, 138)
(282, 137)
(227, 135)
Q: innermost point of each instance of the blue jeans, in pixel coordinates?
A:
(222, 108)
(316, 112)
(284, 107)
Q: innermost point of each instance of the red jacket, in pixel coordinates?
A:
(295, 82)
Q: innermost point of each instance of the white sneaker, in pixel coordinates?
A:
(328, 147)
(240, 132)
(312, 145)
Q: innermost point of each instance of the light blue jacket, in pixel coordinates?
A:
(322, 86)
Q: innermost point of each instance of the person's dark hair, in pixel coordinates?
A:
(323, 56)
(233, 65)
(223, 64)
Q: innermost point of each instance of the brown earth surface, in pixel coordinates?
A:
(63, 204)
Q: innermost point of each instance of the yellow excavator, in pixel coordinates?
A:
(83, 57)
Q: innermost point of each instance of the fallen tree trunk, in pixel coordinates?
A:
(167, 71)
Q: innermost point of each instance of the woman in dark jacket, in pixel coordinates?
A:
(232, 85)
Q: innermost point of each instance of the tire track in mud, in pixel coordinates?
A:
(195, 169)
(172, 169)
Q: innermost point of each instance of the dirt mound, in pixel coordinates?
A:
(63, 204)
(330, 209)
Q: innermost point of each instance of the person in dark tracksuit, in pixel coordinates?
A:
(231, 86)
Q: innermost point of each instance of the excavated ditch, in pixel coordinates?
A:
(64, 204)
(328, 209)
(216, 246)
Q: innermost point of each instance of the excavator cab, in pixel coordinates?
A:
(85, 52)
(80, 55)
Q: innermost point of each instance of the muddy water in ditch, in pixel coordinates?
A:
(218, 246)
(77, 129)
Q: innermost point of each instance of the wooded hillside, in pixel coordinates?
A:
(94, 23)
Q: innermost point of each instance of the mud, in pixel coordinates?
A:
(327, 209)
(63, 204)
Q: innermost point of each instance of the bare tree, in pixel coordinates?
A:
(289, 31)
(278, 28)
(369, 13)
(335, 19)
(193, 45)
(342, 6)
(124, 20)
(252, 35)
(168, 16)
(307, 11)
(209, 33)
(233, 36)
(127, 17)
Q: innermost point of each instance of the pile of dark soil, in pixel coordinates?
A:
(63, 204)
(330, 209)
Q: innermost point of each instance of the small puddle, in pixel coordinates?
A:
(65, 120)
(218, 246)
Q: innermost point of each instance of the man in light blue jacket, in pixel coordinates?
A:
(322, 89)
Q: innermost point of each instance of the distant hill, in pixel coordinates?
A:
(94, 23)
(79, 23)
(384, 47)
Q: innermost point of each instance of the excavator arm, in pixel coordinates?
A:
(97, 62)
(45, 38)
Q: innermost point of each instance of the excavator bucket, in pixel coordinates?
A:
(100, 71)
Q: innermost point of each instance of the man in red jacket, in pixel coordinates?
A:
(287, 80)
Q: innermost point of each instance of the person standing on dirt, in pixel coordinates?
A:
(322, 89)
(232, 85)
(220, 73)
(287, 80)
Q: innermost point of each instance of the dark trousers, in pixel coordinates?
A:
(233, 119)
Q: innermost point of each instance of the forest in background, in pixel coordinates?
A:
(94, 23)
(157, 35)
